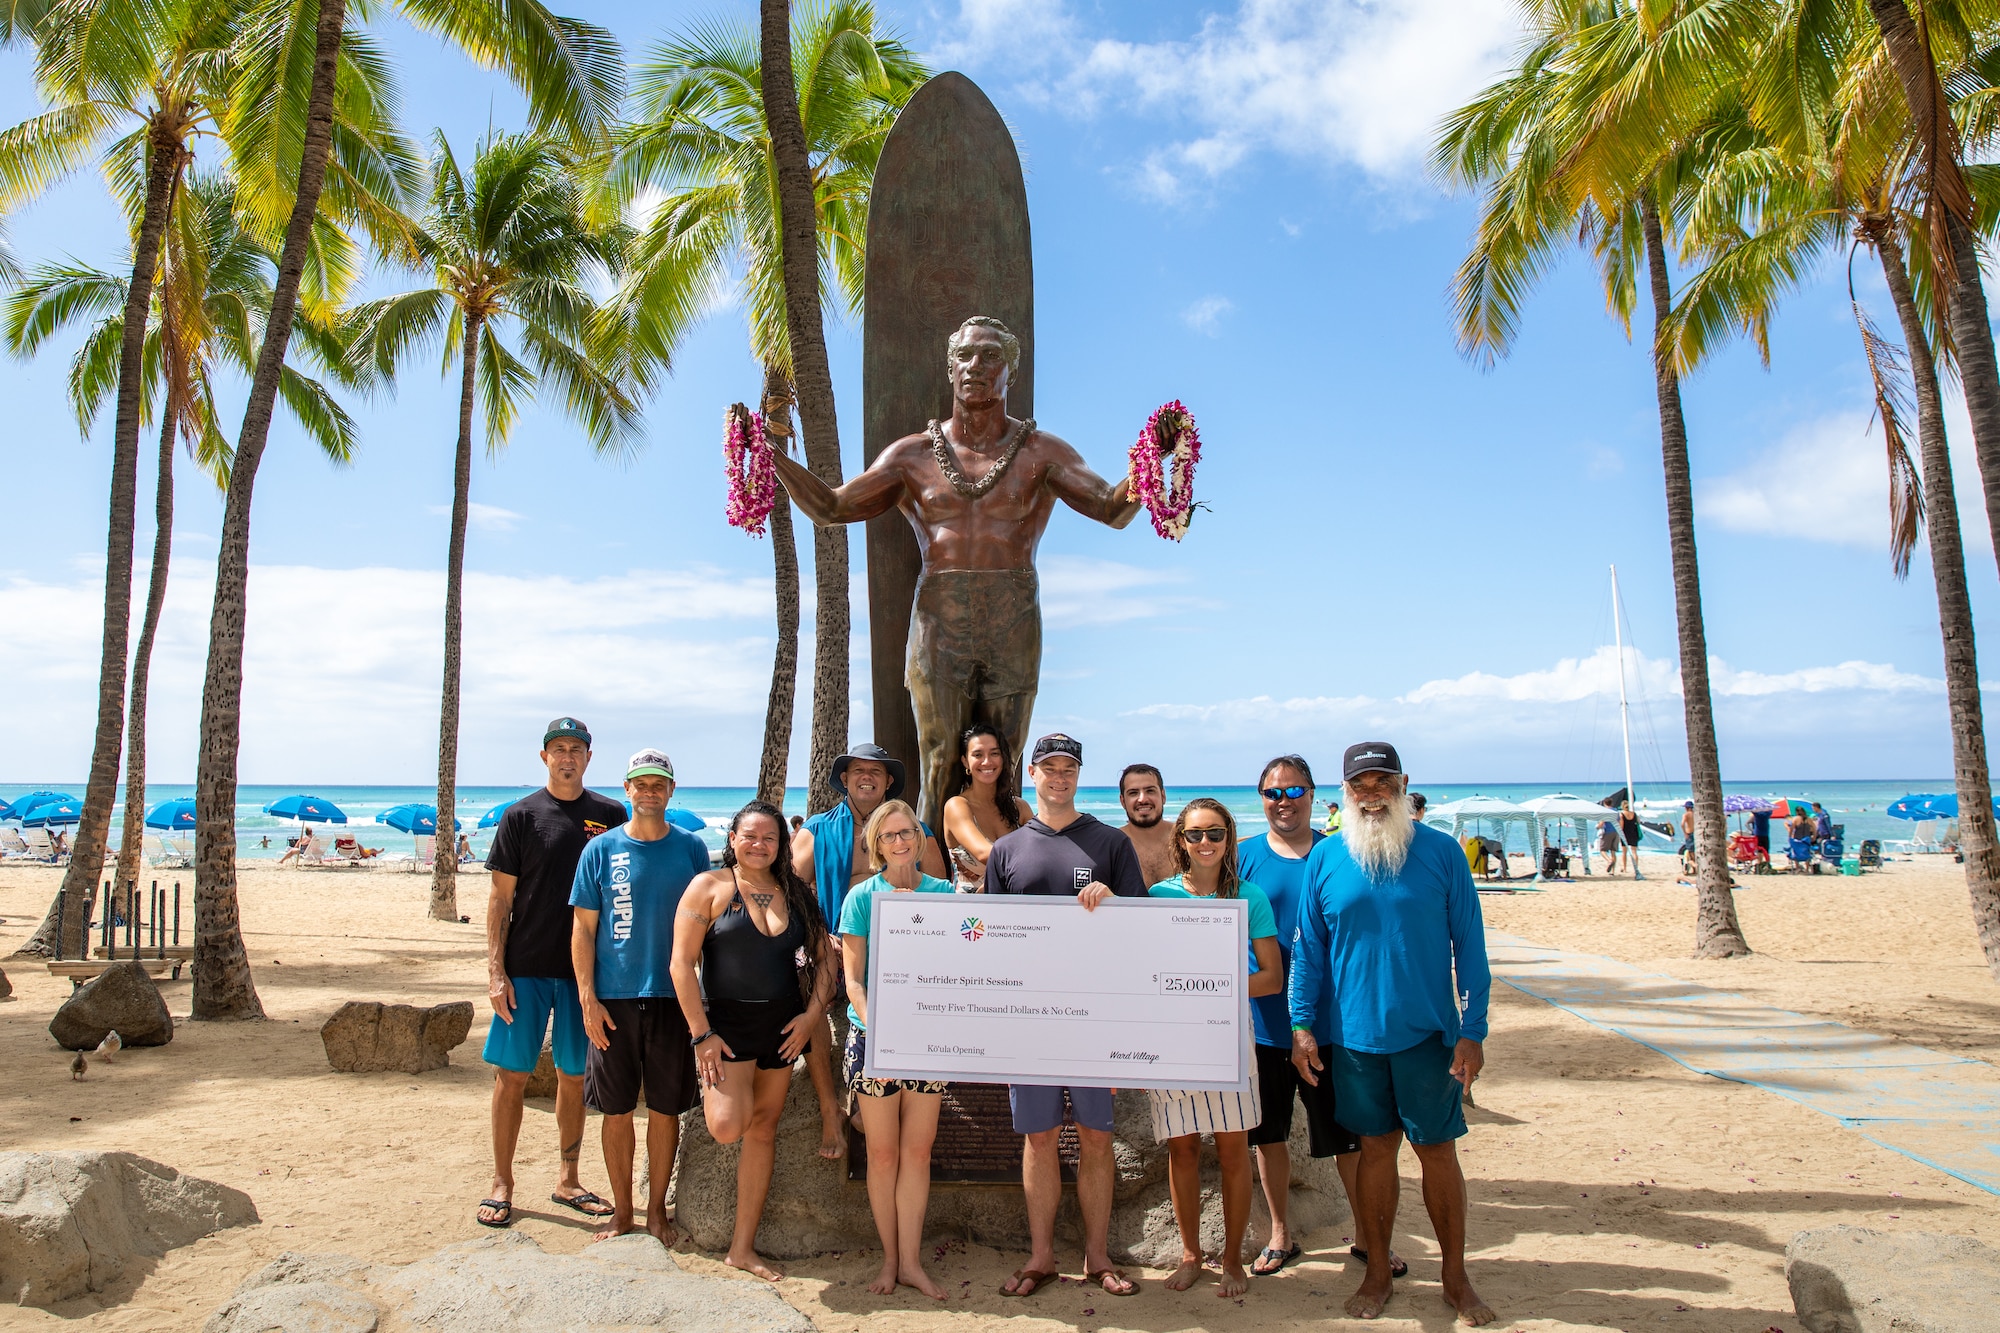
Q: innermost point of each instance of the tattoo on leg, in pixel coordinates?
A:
(573, 1152)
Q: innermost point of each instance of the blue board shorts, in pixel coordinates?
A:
(1038, 1107)
(517, 1046)
(1411, 1090)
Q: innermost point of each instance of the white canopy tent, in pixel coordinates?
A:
(1560, 808)
(1490, 810)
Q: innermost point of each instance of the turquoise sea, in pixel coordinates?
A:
(1857, 805)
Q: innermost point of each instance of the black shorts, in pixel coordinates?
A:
(1277, 1080)
(754, 1029)
(649, 1047)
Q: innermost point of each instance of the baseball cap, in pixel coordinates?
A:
(649, 761)
(566, 726)
(1369, 757)
(1056, 743)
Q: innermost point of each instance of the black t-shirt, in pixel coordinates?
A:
(539, 842)
(1035, 858)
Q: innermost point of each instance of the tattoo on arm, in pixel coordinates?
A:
(690, 912)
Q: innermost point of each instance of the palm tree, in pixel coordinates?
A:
(1523, 138)
(574, 80)
(507, 246)
(209, 302)
(700, 141)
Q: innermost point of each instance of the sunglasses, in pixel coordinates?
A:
(1284, 793)
(1195, 835)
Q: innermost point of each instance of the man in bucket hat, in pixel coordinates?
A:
(827, 854)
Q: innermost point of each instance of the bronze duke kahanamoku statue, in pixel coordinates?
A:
(978, 490)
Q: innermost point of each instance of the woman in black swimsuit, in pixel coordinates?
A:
(768, 970)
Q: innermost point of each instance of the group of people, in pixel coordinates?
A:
(693, 985)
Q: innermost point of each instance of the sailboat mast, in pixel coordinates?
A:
(1624, 705)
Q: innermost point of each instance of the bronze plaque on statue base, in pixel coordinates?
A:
(976, 1143)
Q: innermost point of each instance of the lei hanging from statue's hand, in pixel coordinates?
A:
(746, 462)
(1162, 469)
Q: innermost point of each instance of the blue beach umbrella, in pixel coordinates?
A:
(44, 809)
(22, 804)
(306, 809)
(1911, 807)
(177, 815)
(411, 817)
(678, 817)
(7, 811)
(492, 817)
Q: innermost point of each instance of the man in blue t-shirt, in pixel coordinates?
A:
(628, 886)
(1391, 916)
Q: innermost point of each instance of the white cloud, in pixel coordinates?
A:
(487, 518)
(1079, 591)
(1205, 315)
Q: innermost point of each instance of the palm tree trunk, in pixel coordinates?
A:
(444, 859)
(777, 410)
(1971, 333)
(223, 986)
(1716, 934)
(1961, 662)
(811, 375)
(134, 840)
(86, 863)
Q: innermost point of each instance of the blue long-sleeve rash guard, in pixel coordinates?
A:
(1391, 948)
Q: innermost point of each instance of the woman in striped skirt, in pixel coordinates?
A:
(1205, 847)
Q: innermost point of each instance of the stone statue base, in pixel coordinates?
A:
(813, 1209)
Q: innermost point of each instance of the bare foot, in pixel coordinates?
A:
(661, 1228)
(1460, 1296)
(832, 1138)
(1368, 1300)
(1184, 1276)
(621, 1225)
(1234, 1280)
(748, 1262)
(913, 1275)
(885, 1281)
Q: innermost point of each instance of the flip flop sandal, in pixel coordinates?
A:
(1131, 1287)
(1397, 1267)
(1034, 1279)
(506, 1218)
(590, 1205)
(1272, 1252)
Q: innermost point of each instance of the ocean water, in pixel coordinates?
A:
(1857, 805)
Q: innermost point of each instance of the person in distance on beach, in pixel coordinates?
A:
(984, 808)
(827, 854)
(1390, 916)
(1143, 794)
(899, 1115)
(531, 982)
(1205, 848)
(628, 889)
(1276, 862)
(1059, 853)
(768, 970)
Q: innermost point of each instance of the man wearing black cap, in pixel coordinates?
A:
(1061, 852)
(826, 854)
(530, 980)
(1390, 917)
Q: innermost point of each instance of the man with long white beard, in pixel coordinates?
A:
(1390, 914)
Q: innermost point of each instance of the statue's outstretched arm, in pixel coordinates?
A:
(874, 492)
(1086, 492)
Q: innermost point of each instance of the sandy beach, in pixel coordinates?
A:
(1611, 1188)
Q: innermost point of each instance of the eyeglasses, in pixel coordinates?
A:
(1284, 793)
(897, 834)
(1194, 835)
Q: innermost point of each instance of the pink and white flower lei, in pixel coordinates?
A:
(753, 478)
(1166, 487)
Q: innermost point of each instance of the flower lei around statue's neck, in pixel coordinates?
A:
(746, 462)
(1162, 469)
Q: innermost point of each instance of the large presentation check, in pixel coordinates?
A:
(1141, 993)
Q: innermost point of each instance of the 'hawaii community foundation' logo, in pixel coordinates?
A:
(972, 928)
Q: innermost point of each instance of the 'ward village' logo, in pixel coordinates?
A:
(972, 928)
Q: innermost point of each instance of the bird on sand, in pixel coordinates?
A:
(78, 1065)
(111, 1044)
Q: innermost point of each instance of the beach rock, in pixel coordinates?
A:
(365, 1036)
(1854, 1280)
(505, 1283)
(6, 987)
(71, 1222)
(814, 1209)
(542, 1082)
(121, 997)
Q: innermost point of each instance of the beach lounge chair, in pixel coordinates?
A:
(1799, 852)
(312, 851)
(40, 846)
(426, 851)
(171, 855)
(12, 847)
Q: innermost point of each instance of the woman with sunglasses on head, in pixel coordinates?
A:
(1205, 848)
(899, 1115)
(984, 808)
(768, 973)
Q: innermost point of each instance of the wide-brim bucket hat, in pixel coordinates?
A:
(874, 754)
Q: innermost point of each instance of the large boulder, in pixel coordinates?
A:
(813, 1208)
(365, 1036)
(542, 1080)
(6, 987)
(70, 1222)
(504, 1283)
(1854, 1280)
(121, 998)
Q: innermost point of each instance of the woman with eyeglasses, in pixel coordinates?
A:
(899, 1115)
(1205, 849)
(984, 808)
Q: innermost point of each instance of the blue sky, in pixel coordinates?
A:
(1229, 207)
